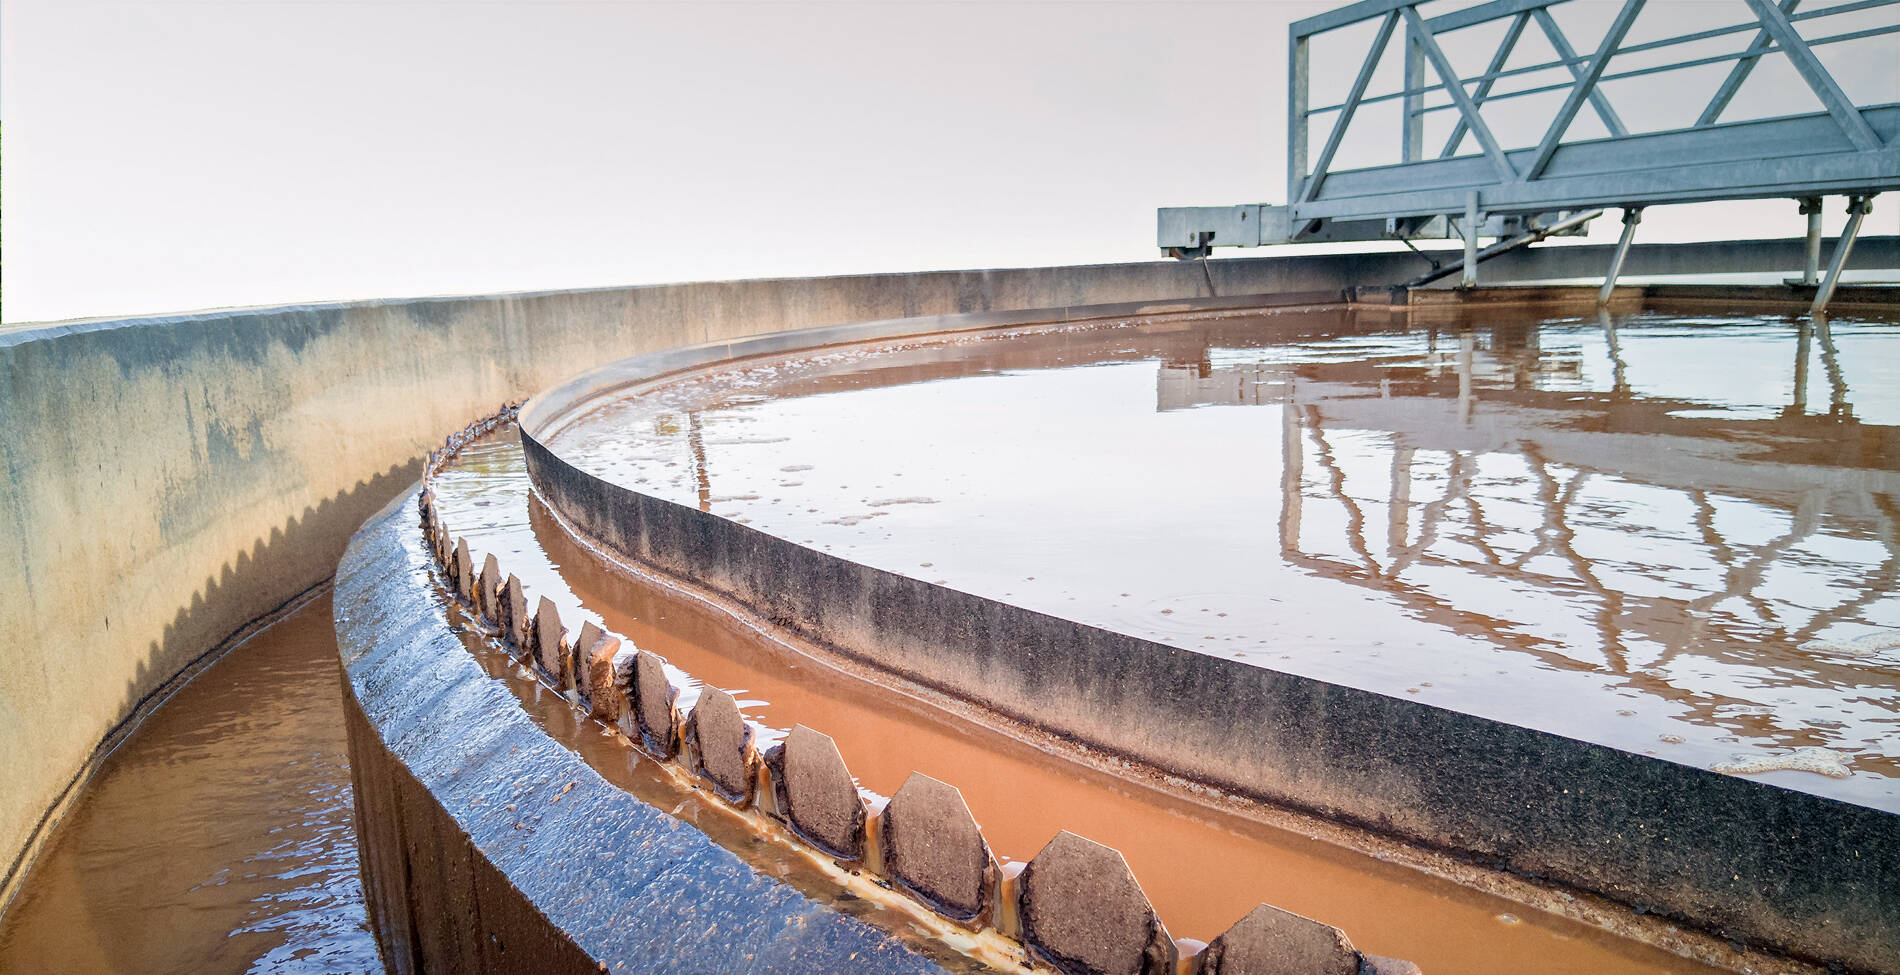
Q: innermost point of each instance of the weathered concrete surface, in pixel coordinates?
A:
(1755, 863)
(933, 847)
(550, 646)
(468, 809)
(594, 672)
(1270, 941)
(655, 707)
(1083, 912)
(488, 588)
(816, 793)
(514, 616)
(169, 480)
(1380, 965)
(722, 745)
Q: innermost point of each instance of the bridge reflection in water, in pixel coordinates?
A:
(1686, 548)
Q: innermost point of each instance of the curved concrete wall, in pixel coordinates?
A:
(489, 846)
(1752, 862)
(171, 480)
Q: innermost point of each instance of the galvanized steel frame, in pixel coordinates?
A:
(1846, 149)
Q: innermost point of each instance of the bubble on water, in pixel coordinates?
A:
(1865, 645)
(849, 520)
(1820, 761)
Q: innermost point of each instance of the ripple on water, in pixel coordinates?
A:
(218, 838)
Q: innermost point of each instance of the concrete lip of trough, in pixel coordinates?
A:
(1812, 877)
(490, 846)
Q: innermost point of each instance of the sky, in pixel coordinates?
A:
(167, 155)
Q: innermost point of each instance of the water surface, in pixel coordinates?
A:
(218, 837)
(1670, 534)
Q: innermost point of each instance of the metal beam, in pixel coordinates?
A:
(1801, 156)
(1817, 77)
(1631, 217)
(1505, 46)
(1561, 44)
(1456, 89)
(1297, 121)
(1318, 178)
(1469, 276)
(1504, 246)
(1738, 74)
(1484, 13)
(1857, 208)
(1585, 84)
(1658, 45)
(1811, 271)
(1412, 131)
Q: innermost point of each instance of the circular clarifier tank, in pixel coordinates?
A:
(1632, 535)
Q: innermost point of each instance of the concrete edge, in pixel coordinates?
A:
(489, 846)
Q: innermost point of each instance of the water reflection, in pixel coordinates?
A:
(1629, 529)
(1541, 499)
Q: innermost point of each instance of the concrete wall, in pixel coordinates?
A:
(171, 480)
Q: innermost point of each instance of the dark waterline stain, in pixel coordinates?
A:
(218, 838)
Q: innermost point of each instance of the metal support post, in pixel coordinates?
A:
(1857, 207)
(1470, 277)
(1811, 274)
(1631, 217)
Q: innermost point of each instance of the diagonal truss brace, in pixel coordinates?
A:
(1738, 74)
(1776, 24)
(1586, 84)
(1505, 46)
(1561, 45)
(1359, 85)
(1455, 87)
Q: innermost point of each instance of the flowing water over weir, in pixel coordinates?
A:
(218, 837)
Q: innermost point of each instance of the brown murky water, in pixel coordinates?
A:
(218, 837)
(1202, 866)
(1678, 536)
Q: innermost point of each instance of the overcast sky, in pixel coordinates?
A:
(167, 155)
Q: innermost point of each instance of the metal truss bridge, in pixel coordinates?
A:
(1476, 184)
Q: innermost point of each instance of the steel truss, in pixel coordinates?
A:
(1476, 185)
